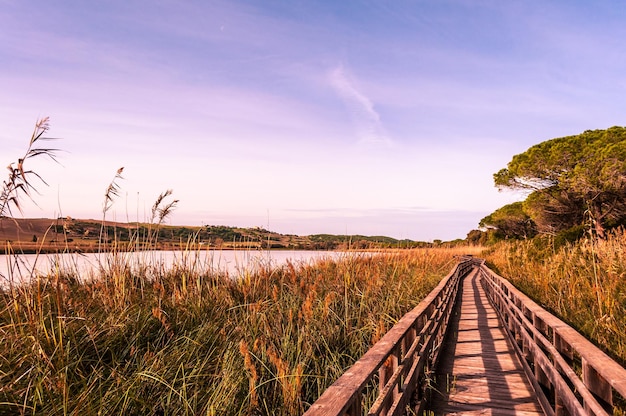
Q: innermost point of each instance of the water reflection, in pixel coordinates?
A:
(89, 265)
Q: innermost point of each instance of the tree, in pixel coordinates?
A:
(510, 221)
(572, 179)
(476, 237)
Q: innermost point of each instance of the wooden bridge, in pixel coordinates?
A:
(477, 345)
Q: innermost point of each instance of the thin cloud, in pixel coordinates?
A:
(362, 212)
(366, 119)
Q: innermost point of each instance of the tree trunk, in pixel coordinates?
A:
(597, 222)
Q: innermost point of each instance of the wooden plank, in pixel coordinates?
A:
(479, 372)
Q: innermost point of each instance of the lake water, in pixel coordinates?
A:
(234, 262)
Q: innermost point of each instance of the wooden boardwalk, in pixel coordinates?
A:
(479, 372)
(454, 354)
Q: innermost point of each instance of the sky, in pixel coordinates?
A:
(302, 117)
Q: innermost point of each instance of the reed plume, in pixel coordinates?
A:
(20, 182)
(112, 191)
(160, 211)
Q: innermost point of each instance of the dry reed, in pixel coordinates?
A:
(135, 342)
(20, 182)
(148, 339)
(584, 283)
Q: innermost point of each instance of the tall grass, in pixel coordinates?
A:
(184, 341)
(148, 339)
(584, 283)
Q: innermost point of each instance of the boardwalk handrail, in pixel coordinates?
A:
(397, 362)
(569, 373)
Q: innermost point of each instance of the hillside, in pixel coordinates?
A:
(52, 235)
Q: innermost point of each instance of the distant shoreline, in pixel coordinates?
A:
(66, 234)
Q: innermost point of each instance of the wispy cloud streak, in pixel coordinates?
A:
(366, 119)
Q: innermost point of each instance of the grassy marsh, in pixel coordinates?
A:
(584, 283)
(180, 341)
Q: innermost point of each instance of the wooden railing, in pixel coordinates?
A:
(570, 374)
(398, 366)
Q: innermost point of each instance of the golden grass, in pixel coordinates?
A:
(583, 283)
(179, 340)
(183, 341)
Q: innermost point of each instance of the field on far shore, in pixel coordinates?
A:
(179, 341)
(47, 235)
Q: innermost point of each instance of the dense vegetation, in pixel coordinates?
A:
(182, 341)
(70, 234)
(571, 182)
(179, 340)
(583, 282)
(564, 244)
(509, 221)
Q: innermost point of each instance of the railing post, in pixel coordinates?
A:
(559, 407)
(566, 351)
(407, 341)
(396, 360)
(355, 409)
(563, 347)
(596, 384)
(383, 376)
(540, 325)
(526, 352)
(540, 375)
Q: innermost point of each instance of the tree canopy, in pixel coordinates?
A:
(572, 179)
(510, 221)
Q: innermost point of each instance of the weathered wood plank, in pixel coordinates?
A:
(479, 371)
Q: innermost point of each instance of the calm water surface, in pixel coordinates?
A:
(234, 262)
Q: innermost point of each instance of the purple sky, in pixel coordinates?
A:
(359, 117)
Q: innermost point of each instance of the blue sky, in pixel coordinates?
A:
(359, 117)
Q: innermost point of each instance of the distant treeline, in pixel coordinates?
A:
(85, 232)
